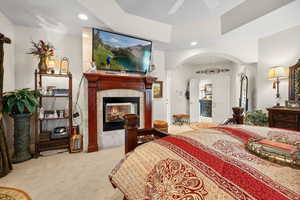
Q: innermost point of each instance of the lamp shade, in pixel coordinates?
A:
(277, 72)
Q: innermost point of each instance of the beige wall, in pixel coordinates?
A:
(281, 49)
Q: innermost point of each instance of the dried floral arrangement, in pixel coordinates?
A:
(42, 48)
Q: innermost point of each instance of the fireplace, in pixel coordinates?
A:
(114, 108)
(99, 84)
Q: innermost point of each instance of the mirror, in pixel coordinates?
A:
(294, 83)
(244, 93)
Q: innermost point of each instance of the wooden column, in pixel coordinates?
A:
(92, 116)
(5, 161)
(148, 103)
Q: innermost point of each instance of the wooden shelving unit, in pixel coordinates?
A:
(43, 141)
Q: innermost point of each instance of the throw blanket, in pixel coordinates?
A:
(208, 164)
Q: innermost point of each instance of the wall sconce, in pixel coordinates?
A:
(276, 74)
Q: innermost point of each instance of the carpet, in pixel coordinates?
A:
(7, 193)
(64, 176)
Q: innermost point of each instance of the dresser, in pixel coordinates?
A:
(287, 118)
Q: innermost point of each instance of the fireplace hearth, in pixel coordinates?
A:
(114, 108)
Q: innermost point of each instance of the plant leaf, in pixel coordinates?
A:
(20, 107)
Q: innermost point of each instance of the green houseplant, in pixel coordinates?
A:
(21, 104)
(257, 118)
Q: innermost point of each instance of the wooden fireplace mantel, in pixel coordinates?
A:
(99, 82)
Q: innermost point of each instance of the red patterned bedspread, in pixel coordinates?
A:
(208, 164)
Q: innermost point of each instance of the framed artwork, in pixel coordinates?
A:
(64, 66)
(158, 89)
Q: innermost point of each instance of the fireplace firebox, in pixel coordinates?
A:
(114, 108)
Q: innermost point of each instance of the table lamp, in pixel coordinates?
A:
(276, 74)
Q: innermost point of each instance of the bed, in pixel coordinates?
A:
(206, 164)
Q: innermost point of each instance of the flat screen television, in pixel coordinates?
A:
(118, 52)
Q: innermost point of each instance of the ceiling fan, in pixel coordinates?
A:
(179, 3)
(176, 7)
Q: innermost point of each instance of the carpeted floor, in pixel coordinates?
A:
(67, 176)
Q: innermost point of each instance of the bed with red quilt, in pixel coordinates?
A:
(207, 164)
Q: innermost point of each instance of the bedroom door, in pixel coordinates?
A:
(194, 100)
(221, 98)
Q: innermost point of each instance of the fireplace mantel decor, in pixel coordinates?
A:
(100, 82)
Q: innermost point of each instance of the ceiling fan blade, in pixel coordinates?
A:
(176, 7)
(212, 3)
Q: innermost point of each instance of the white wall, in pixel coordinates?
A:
(159, 107)
(7, 28)
(66, 45)
(251, 71)
(281, 49)
(182, 74)
(180, 79)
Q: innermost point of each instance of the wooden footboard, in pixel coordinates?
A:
(135, 137)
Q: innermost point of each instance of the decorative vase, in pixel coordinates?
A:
(43, 64)
(21, 137)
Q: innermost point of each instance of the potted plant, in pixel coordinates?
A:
(257, 118)
(44, 50)
(20, 105)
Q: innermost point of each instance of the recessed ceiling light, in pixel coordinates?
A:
(83, 16)
(194, 43)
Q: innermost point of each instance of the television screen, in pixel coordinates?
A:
(112, 51)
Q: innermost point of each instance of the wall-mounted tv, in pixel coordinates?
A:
(118, 52)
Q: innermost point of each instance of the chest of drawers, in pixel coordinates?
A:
(287, 118)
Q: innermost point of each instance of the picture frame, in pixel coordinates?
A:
(157, 89)
(64, 65)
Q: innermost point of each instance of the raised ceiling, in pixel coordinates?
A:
(190, 11)
(195, 20)
(57, 15)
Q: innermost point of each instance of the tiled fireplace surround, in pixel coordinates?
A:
(102, 85)
(116, 137)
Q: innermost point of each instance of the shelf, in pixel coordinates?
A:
(43, 137)
(53, 144)
(46, 119)
(46, 144)
(56, 75)
(54, 96)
